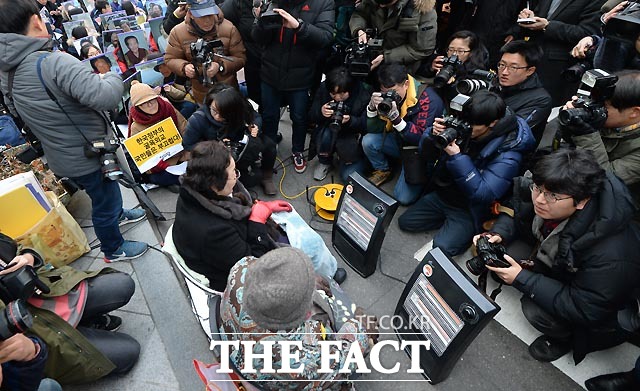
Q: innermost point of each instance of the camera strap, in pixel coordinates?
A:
(53, 97)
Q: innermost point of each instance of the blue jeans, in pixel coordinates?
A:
(106, 208)
(376, 146)
(431, 212)
(297, 101)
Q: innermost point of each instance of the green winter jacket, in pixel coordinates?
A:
(408, 32)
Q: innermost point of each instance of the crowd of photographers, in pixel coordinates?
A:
(434, 91)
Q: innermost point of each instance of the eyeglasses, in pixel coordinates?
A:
(457, 52)
(550, 197)
(213, 111)
(237, 172)
(511, 68)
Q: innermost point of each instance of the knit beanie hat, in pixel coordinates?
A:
(278, 289)
(141, 93)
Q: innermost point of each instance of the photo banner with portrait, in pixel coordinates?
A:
(69, 26)
(135, 47)
(88, 23)
(158, 34)
(126, 23)
(108, 39)
(156, 9)
(149, 72)
(103, 63)
(156, 143)
(105, 19)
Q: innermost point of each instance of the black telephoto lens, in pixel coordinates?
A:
(15, 319)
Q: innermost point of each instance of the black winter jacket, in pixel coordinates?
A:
(596, 266)
(357, 103)
(239, 12)
(527, 97)
(212, 235)
(289, 58)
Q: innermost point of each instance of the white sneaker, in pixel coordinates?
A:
(321, 171)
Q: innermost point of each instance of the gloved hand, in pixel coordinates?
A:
(376, 98)
(261, 210)
(578, 127)
(394, 114)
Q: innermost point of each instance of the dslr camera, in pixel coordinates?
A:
(202, 53)
(478, 80)
(360, 54)
(268, 18)
(449, 69)
(458, 129)
(490, 254)
(384, 107)
(596, 87)
(339, 111)
(14, 319)
(577, 70)
(105, 149)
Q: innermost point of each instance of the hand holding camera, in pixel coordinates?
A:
(583, 46)
(288, 21)
(437, 63)
(190, 71)
(18, 348)
(392, 114)
(375, 100)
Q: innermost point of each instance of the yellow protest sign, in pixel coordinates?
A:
(155, 143)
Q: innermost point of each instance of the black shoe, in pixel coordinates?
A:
(104, 322)
(622, 381)
(547, 349)
(340, 276)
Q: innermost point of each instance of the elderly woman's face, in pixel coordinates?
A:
(232, 178)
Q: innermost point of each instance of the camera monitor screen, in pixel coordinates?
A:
(356, 221)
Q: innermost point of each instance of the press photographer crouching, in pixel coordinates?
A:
(573, 220)
(339, 109)
(397, 116)
(70, 317)
(604, 119)
(228, 117)
(473, 156)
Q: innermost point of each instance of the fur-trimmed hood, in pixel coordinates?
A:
(424, 6)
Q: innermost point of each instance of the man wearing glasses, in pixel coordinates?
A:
(572, 222)
(407, 27)
(520, 87)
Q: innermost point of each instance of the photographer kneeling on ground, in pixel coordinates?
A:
(72, 318)
(339, 109)
(279, 295)
(470, 173)
(82, 97)
(398, 115)
(615, 142)
(577, 219)
(217, 223)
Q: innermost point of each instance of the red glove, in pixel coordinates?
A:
(261, 210)
(161, 166)
(278, 206)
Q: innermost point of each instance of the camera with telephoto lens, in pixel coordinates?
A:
(625, 26)
(384, 107)
(449, 69)
(360, 54)
(596, 87)
(105, 149)
(577, 70)
(458, 129)
(202, 53)
(339, 111)
(268, 18)
(14, 319)
(20, 284)
(478, 80)
(489, 254)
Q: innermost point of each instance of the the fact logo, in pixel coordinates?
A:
(330, 352)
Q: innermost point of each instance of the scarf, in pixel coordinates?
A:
(165, 110)
(410, 100)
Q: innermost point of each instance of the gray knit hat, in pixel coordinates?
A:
(278, 289)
